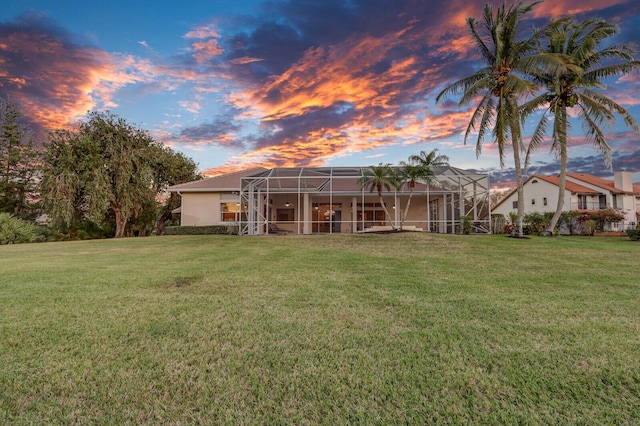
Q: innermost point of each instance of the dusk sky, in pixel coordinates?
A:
(238, 83)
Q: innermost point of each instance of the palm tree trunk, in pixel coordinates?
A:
(406, 209)
(386, 212)
(564, 158)
(516, 142)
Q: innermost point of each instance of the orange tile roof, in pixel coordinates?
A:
(554, 180)
(570, 186)
(609, 185)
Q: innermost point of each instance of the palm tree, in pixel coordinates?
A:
(379, 177)
(500, 84)
(419, 168)
(572, 90)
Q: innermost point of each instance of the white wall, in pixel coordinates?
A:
(535, 190)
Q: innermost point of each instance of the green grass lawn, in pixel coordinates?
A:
(370, 329)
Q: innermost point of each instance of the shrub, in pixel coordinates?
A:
(510, 226)
(588, 227)
(201, 230)
(634, 234)
(602, 218)
(537, 222)
(15, 231)
(466, 224)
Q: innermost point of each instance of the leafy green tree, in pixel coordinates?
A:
(17, 162)
(500, 84)
(106, 171)
(419, 168)
(570, 92)
(377, 178)
(170, 168)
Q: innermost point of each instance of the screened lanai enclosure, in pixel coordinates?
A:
(331, 200)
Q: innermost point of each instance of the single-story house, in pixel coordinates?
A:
(325, 200)
(584, 192)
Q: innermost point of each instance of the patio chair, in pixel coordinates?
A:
(275, 229)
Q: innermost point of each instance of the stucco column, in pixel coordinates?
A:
(306, 214)
(354, 214)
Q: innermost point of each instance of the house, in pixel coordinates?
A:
(583, 192)
(326, 200)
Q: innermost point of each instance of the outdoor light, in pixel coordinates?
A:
(287, 203)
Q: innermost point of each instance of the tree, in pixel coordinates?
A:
(17, 161)
(570, 92)
(500, 83)
(375, 179)
(419, 168)
(171, 168)
(106, 171)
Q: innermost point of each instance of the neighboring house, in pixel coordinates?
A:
(330, 200)
(584, 192)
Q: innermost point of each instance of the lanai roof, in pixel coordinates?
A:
(226, 182)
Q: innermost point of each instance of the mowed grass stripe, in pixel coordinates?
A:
(406, 328)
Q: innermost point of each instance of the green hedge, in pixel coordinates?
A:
(201, 230)
(634, 234)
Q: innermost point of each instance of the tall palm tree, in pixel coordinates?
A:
(378, 177)
(500, 84)
(572, 90)
(419, 168)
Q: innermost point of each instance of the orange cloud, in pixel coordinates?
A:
(326, 76)
(559, 8)
(57, 82)
(245, 60)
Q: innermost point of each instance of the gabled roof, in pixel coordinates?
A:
(554, 180)
(605, 184)
(226, 182)
(569, 185)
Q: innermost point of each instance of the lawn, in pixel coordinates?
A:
(371, 329)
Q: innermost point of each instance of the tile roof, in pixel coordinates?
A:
(607, 184)
(227, 182)
(554, 180)
(570, 186)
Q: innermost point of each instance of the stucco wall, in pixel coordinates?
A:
(200, 209)
(537, 192)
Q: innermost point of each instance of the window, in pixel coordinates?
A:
(544, 201)
(582, 202)
(533, 201)
(615, 201)
(284, 215)
(602, 201)
(232, 212)
(515, 204)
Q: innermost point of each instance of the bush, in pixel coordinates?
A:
(15, 231)
(588, 227)
(634, 234)
(537, 222)
(466, 224)
(602, 218)
(201, 230)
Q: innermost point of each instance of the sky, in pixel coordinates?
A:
(239, 83)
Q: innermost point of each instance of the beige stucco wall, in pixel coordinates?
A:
(200, 209)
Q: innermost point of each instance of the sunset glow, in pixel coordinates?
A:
(283, 85)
